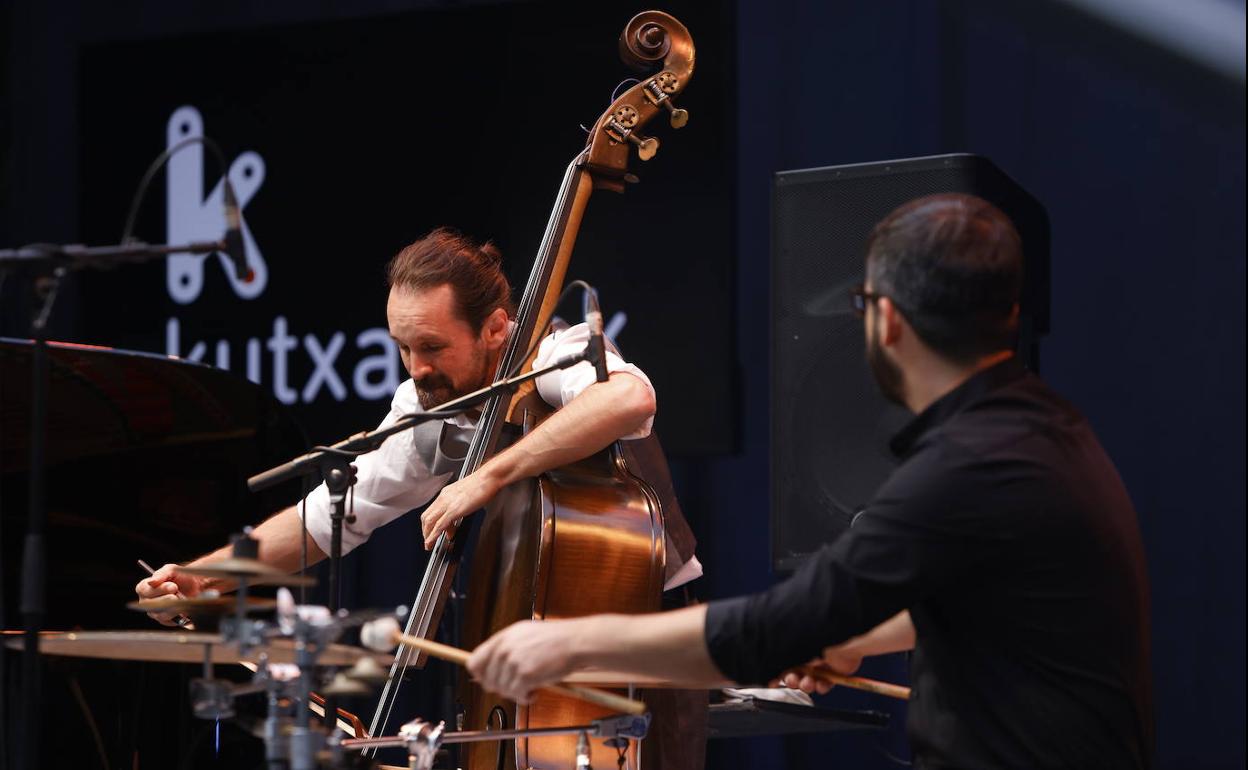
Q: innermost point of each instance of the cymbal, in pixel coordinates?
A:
(254, 571)
(345, 685)
(367, 670)
(215, 605)
(181, 647)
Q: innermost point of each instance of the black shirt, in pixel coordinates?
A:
(1008, 534)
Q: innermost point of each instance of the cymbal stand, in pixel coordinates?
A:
(244, 546)
(423, 739)
(339, 475)
(211, 698)
(295, 748)
(277, 716)
(306, 739)
(312, 631)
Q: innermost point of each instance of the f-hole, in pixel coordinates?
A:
(497, 714)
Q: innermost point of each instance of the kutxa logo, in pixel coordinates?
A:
(274, 355)
(193, 217)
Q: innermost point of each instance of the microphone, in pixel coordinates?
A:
(233, 239)
(597, 348)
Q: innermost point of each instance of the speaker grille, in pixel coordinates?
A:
(830, 426)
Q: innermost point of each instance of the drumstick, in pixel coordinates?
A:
(856, 682)
(180, 619)
(384, 633)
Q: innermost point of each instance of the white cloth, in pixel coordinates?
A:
(394, 479)
(775, 694)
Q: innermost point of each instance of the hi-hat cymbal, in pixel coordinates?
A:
(200, 605)
(181, 647)
(253, 571)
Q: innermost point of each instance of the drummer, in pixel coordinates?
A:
(449, 311)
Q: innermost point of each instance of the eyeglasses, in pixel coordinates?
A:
(858, 299)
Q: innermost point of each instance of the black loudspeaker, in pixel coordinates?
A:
(829, 424)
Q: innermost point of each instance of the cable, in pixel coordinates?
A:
(303, 532)
(157, 164)
(188, 758)
(538, 338)
(879, 746)
(350, 517)
(86, 713)
(615, 93)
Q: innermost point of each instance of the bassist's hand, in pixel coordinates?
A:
(456, 501)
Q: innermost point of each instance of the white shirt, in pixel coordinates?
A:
(393, 479)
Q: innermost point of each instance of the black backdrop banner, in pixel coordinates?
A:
(346, 141)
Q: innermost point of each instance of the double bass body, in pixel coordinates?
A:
(578, 540)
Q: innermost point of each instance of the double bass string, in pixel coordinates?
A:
(510, 365)
(440, 557)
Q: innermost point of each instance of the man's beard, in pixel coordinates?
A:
(437, 389)
(887, 374)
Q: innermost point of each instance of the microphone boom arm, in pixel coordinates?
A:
(75, 256)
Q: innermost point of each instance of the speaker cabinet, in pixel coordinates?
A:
(829, 424)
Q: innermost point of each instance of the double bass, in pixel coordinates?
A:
(584, 538)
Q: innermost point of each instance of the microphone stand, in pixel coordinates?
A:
(58, 260)
(75, 256)
(333, 463)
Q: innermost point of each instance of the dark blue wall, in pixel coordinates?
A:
(1139, 158)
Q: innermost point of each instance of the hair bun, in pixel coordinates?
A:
(490, 253)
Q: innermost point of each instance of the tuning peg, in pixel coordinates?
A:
(647, 146)
(659, 90)
(679, 117)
